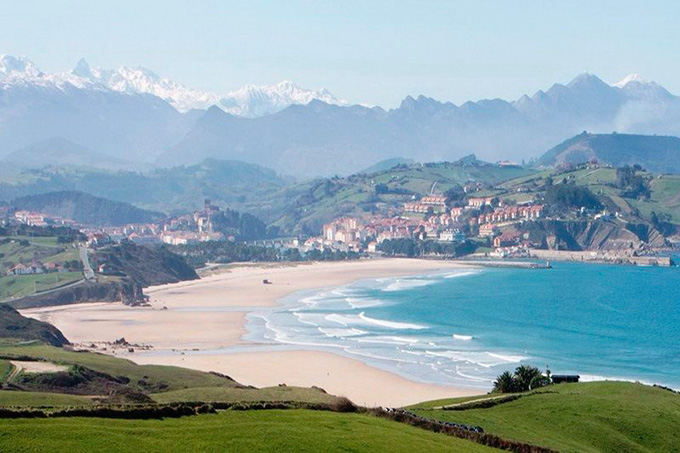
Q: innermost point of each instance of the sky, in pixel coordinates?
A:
(373, 52)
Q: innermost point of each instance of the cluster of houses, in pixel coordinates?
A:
(180, 230)
(509, 214)
(430, 217)
(430, 203)
(39, 219)
(36, 267)
(439, 222)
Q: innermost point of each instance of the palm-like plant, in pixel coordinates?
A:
(524, 375)
(505, 383)
(539, 381)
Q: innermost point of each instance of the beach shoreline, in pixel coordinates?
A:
(185, 323)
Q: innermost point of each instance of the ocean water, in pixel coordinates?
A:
(465, 327)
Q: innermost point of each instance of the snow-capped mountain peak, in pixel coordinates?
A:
(637, 87)
(12, 67)
(252, 101)
(140, 80)
(631, 78)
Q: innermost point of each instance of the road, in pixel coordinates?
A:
(87, 269)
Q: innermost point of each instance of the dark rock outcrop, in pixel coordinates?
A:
(14, 325)
(126, 291)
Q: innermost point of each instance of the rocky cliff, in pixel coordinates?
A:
(610, 235)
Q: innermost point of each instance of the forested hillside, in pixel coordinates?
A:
(85, 209)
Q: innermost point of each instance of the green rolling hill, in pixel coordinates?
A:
(585, 417)
(659, 154)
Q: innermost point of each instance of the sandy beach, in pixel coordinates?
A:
(181, 331)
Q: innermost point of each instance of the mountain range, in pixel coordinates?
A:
(135, 115)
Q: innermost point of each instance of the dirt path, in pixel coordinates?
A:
(34, 367)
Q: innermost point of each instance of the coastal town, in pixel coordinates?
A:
(483, 218)
(429, 218)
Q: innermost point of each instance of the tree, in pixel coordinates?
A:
(631, 184)
(539, 381)
(571, 196)
(524, 375)
(505, 383)
(455, 195)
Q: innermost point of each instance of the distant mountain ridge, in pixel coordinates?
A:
(132, 114)
(324, 139)
(249, 101)
(660, 154)
(57, 152)
(169, 190)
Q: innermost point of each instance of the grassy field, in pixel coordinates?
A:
(664, 190)
(665, 197)
(41, 399)
(171, 378)
(14, 252)
(13, 286)
(165, 384)
(222, 394)
(6, 369)
(320, 201)
(249, 431)
(586, 417)
(26, 249)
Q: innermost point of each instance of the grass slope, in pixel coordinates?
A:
(313, 203)
(85, 208)
(41, 399)
(25, 249)
(153, 376)
(585, 417)
(271, 430)
(14, 286)
(664, 189)
(165, 384)
(224, 394)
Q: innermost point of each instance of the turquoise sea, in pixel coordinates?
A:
(464, 327)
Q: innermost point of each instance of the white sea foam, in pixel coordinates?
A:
(341, 333)
(462, 337)
(344, 320)
(364, 353)
(363, 320)
(507, 357)
(480, 359)
(460, 274)
(404, 284)
(457, 356)
(357, 302)
(472, 378)
(387, 340)
(312, 319)
(390, 324)
(311, 301)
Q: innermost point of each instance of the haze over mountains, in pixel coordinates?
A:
(135, 115)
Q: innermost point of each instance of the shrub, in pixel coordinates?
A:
(343, 404)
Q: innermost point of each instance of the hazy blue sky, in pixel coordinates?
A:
(363, 51)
